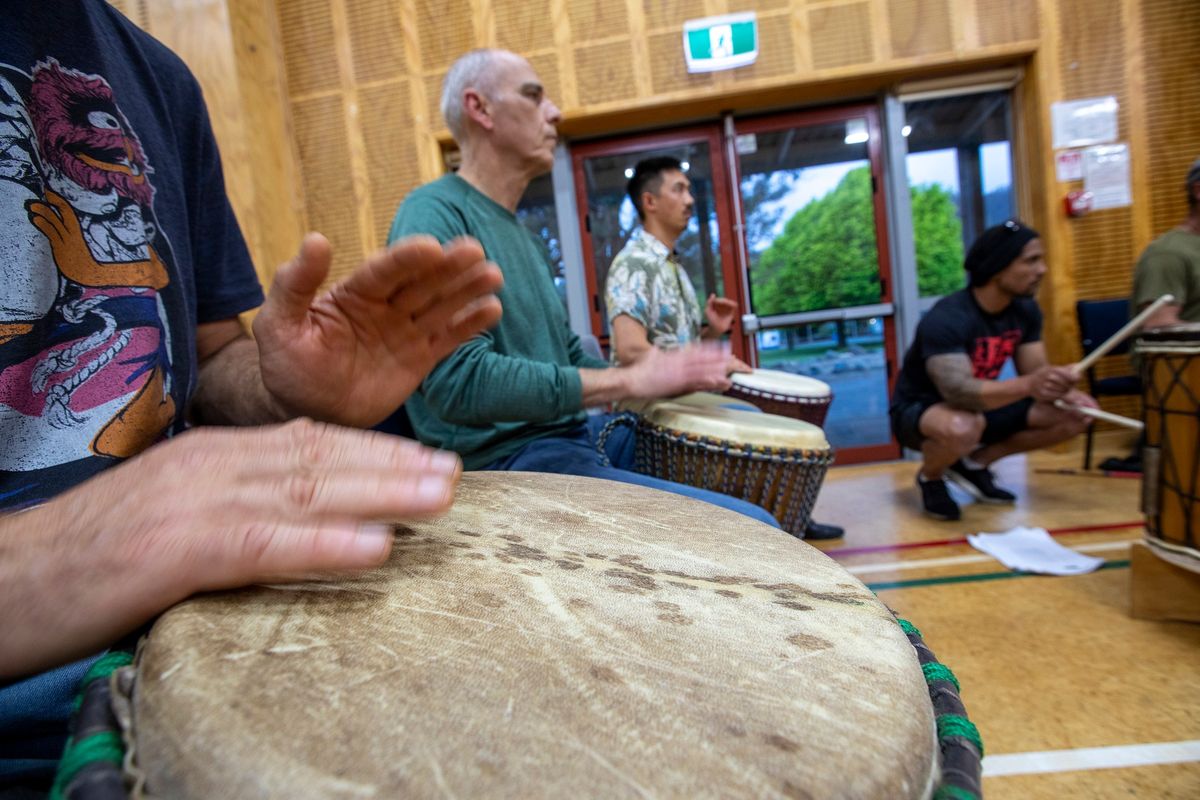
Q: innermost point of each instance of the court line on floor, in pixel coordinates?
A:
(888, 548)
(1088, 758)
(899, 566)
(982, 576)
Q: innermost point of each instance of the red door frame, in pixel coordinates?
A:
(709, 134)
(798, 119)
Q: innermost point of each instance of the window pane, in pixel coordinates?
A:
(960, 180)
(537, 212)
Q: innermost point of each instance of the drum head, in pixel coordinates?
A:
(740, 427)
(698, 399)
(551, 636)
(779, 382)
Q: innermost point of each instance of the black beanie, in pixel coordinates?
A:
(995, 249)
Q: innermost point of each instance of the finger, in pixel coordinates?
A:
(358, 495)
(255, 553)
(480, 316)
(478, 281)
(459, 265)
(407, 262)
(296, 282)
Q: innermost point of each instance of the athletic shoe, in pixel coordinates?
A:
(816, 530)
(936, 499)
(979, 483)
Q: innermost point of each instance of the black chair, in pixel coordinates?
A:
(1098, 320)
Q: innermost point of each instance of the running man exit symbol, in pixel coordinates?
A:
(720, 39)
(723, 42)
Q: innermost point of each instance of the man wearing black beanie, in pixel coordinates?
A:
(949, 402)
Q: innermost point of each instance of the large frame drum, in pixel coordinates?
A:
(1170, 364)
(552, 636)
(783, 393)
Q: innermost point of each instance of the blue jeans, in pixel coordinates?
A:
(33, 723)
(576, 454)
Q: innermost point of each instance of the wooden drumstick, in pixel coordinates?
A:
(1130, 328)
(1116, 419)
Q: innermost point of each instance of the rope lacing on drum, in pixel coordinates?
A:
(95, 740)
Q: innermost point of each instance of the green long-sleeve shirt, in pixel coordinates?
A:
(518, 381)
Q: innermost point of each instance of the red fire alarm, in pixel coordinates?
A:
(1077, 203)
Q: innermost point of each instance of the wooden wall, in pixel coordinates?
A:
(327, 109)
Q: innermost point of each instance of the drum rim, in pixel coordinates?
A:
(754, 452)
(737, 378)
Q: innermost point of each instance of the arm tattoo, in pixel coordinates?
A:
(955, 380)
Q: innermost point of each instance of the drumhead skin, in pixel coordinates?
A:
(700, 399)
(780, 382)
(742, 427)
(552, 636)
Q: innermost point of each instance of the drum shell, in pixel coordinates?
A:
(779, 394)
(1170, 366)
(783, 481)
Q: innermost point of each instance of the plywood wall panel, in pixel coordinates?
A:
(309, 50)
(328, 177)
(604, 73)
(376, 39)
(1005, 21)
(841, 35)
(919, 27)
(671, 13)
(668, 70)
(433, 99)
(446, 31)
(546, 66)
(777, 55)
(389, 140)
(1171, 31)
(522, 27)
(596, 19)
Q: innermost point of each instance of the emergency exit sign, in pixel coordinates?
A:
(716, 43)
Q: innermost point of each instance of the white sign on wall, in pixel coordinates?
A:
(1106, 176)
(1079, 123)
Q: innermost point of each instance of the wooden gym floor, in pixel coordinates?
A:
(1051, 668)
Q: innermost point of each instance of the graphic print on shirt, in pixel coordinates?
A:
(84, 339)
(990, 353)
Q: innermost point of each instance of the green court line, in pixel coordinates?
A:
(983, 576)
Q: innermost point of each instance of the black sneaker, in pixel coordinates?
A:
(935, 497)
(979, 484)
(817, 530)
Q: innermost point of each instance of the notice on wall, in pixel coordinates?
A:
(1068, 166)
(1106, 176)
(1079, 123)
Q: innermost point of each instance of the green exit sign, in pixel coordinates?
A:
(724, 42)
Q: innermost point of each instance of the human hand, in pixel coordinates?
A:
(720, 311)
(669, 373)
(1078, 399)
(355, 353)
(215, 508)
(1048, 383)
(735, 364)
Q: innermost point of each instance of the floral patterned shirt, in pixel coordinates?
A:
(648, 284)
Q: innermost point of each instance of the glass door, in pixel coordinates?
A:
(602, 171)
(815, 255)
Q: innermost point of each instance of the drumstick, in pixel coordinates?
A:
(1130, 328)
(1116, 419)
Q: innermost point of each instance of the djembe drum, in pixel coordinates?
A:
(1170, 363)
(777, 463)
(551, 636)
(782, 393)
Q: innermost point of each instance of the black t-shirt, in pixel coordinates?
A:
(116, 240)
(956, 324)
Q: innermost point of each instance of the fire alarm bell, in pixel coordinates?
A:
(1077, 203)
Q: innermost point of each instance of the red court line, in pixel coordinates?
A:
(889, 548)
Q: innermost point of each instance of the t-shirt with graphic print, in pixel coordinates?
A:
(117, 240)
(648, 284)
(956, 324)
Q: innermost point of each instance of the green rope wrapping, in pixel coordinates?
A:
(105, 665)
(935, 671)
(103, 746)
(908, 627)
(953, 793)
(950, 725)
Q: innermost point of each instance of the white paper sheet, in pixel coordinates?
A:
(1033, 550)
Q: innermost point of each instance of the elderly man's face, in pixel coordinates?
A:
(525, 118)
(1023, 276)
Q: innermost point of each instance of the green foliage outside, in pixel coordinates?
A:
(826, 255)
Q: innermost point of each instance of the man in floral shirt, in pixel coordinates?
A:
(651, 302)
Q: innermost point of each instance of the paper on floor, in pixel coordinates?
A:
(1033, 550)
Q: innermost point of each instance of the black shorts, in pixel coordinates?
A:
(1002, 422)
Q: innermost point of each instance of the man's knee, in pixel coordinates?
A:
(954, 428)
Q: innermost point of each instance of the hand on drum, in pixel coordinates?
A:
(669, 373)
(1048, 383)
(214, 508)
(735, 364)
(356, 352)
(720, 311)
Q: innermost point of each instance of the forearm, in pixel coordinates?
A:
(230, 390)
(956, 383)
(602, 386)
(66, 589)
(477, 386)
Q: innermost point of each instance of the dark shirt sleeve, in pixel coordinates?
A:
(943, 333)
